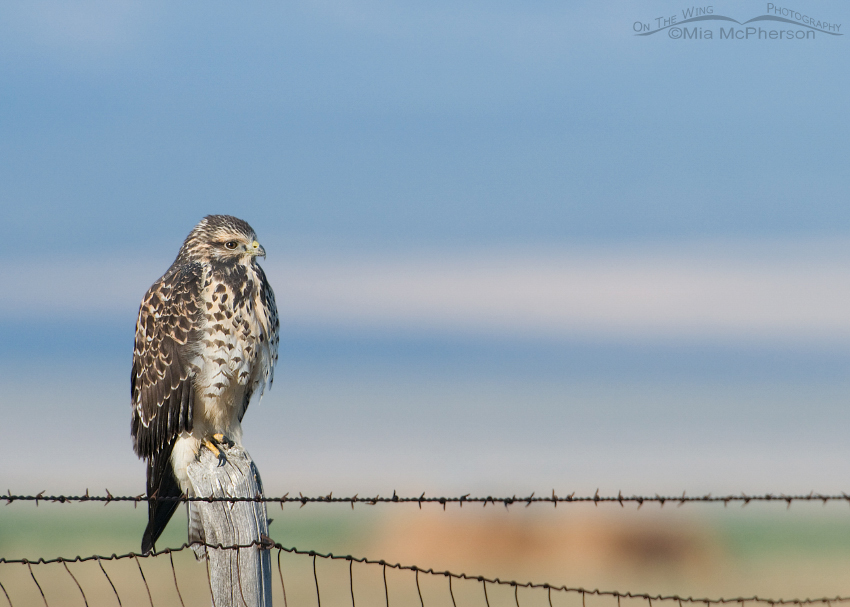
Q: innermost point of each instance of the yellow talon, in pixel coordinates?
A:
(219, 438)
(211, 446)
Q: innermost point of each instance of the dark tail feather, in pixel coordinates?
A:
(196, 531)
(161, 483)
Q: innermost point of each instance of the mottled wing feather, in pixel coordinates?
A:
(269, 339)
(274, 324)
(162, 381)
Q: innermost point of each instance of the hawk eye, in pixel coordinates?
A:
(231, 244)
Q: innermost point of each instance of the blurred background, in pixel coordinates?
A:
(515, 248)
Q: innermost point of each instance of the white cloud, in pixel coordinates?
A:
(550, 296)
(709, 294)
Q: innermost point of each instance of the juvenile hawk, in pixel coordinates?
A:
(206, 340)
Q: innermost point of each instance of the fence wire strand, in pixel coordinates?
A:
(144, 581)
(108, 579)
(77, 583)
(386, 588)
(316, 577)
(553, 499)
(40, 591)
(174, 573)
(283, 588)
(350, 578)
(6, 594)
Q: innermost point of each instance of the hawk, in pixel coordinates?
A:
(206, 341)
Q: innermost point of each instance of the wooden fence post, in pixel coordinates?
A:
(238, 578)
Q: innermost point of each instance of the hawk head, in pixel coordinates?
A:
(221, 238)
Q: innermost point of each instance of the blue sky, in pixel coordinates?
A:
(462, 144)
(380, 124)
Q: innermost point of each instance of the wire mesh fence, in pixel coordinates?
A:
(172, 577)
(306, 577)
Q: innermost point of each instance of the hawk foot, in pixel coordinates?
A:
(214, 443)
(221, 439)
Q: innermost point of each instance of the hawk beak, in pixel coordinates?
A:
(257, 250)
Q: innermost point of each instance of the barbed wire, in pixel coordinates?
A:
(269, 545)
(553, 499)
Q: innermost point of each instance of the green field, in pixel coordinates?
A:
(692, 552)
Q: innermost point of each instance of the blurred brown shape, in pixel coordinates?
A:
(568, 548)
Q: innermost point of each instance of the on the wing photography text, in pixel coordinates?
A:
(788, 24)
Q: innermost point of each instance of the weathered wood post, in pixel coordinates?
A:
(238, 578)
